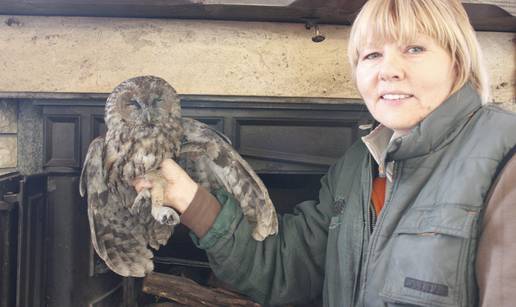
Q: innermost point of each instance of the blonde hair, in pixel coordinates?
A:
(445, 21)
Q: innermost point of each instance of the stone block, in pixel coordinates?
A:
(8, 151)
(4, 171)
(8, 122)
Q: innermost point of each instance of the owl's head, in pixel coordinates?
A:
(143, 102)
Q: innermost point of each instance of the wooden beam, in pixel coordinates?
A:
(187, 292)
(297, 11)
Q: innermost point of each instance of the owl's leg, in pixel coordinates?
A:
(163, 214)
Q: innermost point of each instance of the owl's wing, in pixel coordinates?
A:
(119, 238)
(214, 163)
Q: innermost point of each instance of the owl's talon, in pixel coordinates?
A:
(141, 200)
(165, 215)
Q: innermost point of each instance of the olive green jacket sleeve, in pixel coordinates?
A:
(287, 266)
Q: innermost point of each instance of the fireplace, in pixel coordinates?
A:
(46, 255)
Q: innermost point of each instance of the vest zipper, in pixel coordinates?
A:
(358, 287)
(368, 218)
(372, 219)
(373, 237)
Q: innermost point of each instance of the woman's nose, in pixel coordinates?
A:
(391, 68)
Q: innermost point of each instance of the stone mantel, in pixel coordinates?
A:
(99, 98)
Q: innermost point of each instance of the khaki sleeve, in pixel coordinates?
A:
(496, 255)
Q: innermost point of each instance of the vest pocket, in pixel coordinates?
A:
(429, 257)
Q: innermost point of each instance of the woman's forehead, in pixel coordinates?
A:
(378, 41)
(375, 40)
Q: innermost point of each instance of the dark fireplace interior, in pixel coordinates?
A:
(46, 255)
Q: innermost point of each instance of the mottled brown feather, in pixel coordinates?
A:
(137, 140)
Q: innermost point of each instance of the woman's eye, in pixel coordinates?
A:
(415, 49)
(371, 56)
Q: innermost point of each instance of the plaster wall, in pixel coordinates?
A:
(76, 54)
(87, 54)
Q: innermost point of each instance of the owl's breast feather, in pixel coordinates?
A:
(142, 151)
(148, 154)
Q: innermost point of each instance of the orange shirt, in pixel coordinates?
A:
(378, 194)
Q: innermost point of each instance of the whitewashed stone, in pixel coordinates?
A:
(94, 54)
(6, 170)
(8, 122)
(8, 151)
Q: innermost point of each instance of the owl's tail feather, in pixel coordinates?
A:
(119, 237)
(124, 250)
(122, 239)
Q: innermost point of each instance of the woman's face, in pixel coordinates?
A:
(402, 84)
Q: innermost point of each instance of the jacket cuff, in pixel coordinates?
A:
(222, 223)
(201, 213)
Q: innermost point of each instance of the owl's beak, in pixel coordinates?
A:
(147, 116)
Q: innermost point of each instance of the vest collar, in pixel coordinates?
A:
(438, 127)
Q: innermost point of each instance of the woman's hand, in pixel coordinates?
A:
(180, 189)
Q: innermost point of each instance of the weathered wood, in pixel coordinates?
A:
(324, 11)
(187, 292)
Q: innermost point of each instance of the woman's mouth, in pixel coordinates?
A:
(395, 99)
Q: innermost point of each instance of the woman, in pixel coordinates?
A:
(410, 214)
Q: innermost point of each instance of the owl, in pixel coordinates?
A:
(144, 127)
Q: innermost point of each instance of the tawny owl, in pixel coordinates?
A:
(144, 126)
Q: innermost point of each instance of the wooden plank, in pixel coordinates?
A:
(325, 11)
(187, 292)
